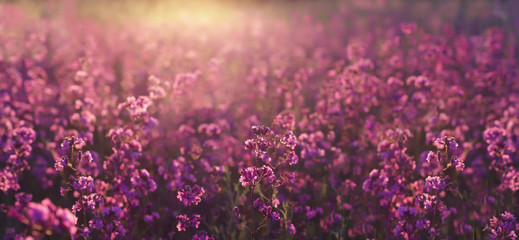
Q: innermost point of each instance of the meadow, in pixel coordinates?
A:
(386, 119)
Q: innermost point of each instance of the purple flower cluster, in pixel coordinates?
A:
(321, 123)
(503, 227)
(190, 195)
(186, 222)
(42, 217)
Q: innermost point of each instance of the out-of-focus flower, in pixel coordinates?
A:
(183, 222)
(202, 235)
(291, 229)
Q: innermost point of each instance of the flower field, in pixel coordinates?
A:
(387, 119)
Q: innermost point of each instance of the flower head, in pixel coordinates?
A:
(291, 229)
(292, 158)
(434, 183)
(248, 176)
(503, 226)
(289, 140)
(190, 195)
(260, 130)
(202, 235)
(25, 135)
(183, 222)
(84, 183)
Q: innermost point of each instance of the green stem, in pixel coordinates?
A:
(253, 231)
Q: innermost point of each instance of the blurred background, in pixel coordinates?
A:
(213, 30)
(465, 14)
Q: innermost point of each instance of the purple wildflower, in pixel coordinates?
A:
(503, 227)
(190, 195)
(84, 183)
(183, 222)
(434, 183)
(248, 176)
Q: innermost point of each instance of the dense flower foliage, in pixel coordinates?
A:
(271, 127)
